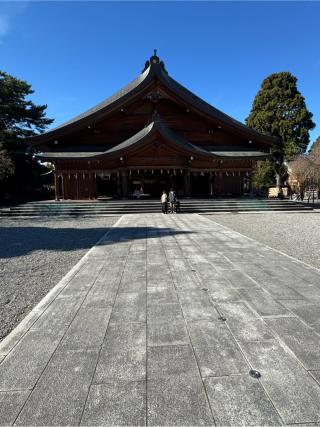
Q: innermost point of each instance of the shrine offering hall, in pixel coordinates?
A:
(152, 135)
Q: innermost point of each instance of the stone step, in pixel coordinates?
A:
(119, 207)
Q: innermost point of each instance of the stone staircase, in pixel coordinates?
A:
(120, 207)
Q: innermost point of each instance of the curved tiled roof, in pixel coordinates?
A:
(139, 138)
(154, 69)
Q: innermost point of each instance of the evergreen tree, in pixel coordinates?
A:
(263, 176)
(20, 118)
(6, 165)
(280, 110)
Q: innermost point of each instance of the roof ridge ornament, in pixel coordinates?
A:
(154, 60)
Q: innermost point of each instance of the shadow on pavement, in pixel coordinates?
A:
(18, 241)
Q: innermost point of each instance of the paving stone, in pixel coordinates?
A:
(101, 298)
(244, 324)
(219, 283)
(299, 270)
(216, 350)
(61, 392)
(278, 288)
(134, 271)
(158, 271)
(9, 342)
(129, 364)
(164, 361)
(239, 279)
(240, 400)
(135, 285)
(87, 330)
(295, 394)
(161, 283)
(122, 336)
(60, 313)
(155, 259)
(129, 307)
(164, 312)
(116, 403)
(79, 284)
(183, 277)
(192, 252)
(306, 310)
(161, 294)
(309, 292)
(24, 364)
(204, 269)
(262, 302)
(178, 401)
(301, 339)
(194, 312)
(225, 295)
(233, 256)
(11, 403)
(167, 333)
(316, 375)
(173, 253)
(195, 297)
(138, 247)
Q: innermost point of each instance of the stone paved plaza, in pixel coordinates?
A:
(160, 324)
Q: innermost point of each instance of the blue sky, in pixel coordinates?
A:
(75, 54)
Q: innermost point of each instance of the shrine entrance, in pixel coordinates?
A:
(153, 182)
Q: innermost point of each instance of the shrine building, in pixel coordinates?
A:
(152, 135)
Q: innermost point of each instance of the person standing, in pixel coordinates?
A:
(172, 200)
(164, 202)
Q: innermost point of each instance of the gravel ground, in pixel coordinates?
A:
(35, 254)
(296, 234)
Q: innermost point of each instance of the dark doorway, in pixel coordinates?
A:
(108, 185)
(231, 186)
(200, 184)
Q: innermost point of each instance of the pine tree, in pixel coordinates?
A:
(20, 118)
(280, 110)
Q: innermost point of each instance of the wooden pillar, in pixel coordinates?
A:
(250, 185)
(211, 185)
(118, 185)
(124, 184)
(92, 186)
(220, 183)
(63, 185)
(95, 189)
(187, 183)
(56, 186)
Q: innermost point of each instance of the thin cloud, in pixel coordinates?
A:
(8, 11)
